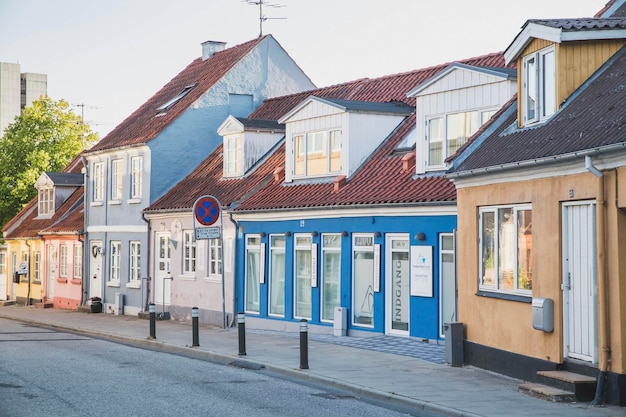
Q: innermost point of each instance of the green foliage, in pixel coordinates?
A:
(44, 138)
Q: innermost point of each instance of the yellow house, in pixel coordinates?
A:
(541, 196)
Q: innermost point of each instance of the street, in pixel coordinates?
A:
(49, 373)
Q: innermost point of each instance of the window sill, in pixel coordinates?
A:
(214, 279)
(96, 204)
(115, 202)
(114, 284)
(187, 278)
(134, 285)
(134, 201)
(77, 281)
(509, 297)
(62, 280)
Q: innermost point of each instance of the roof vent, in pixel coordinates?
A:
(209, 48)
(408, 161)
(339, 182)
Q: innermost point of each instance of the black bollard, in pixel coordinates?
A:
(241, 327)
(194, 326)
(152, 309)
(304, 344)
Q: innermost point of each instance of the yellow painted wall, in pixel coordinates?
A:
(20, 247)
(507, 325)
(575, 63)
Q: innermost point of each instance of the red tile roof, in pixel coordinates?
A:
(143, 125)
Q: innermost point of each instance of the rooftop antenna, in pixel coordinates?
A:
(82, 118)
(262, 17)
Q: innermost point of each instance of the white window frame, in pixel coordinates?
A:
(215, 258)
(98, 181)
(115, 253)
(134, 261)
(78, 261)
(328, 249)
(46, 201)
(324, 142)
(483, 260)
(63, 260)
(136, 177)
(276, 283)
(190, 260)
(117, 175)
(252, 296)
(539, 84)
(233, 155)
(3, 263)
(37, 266)
(361, 304)
(303, 242)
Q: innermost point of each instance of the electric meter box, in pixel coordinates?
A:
(543, 314)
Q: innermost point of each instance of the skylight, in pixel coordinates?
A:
(408, 142)
(170, 103)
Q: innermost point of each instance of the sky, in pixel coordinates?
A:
(106, 58)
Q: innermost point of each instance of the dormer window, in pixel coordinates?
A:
(539, 85)
(317, 153)
(46, 201)
(170, 103)
(445, 135)
(232, 156)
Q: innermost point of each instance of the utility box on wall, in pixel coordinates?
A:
(543, 314)
(454, 343)
(340, 324)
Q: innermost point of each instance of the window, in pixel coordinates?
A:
(46, 201)
(116, 250)
(303, 273)
(215, 257)
(78, 261)
(232, 156)
(539, 85)
(277, 275)
(170, 103)
(136, 175)
(3, 263)
(134, 261)
(317, 153)
(36, 266)
(189, 252)
(253, 273)
(116, 179)
(98, 181)
(64, 261)
(331, 275)
(506, 249)
(448, 133)
(363, 280)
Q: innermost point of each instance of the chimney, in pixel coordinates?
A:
(408, 162)
(339, 182)
(209, 48)
(279, 173)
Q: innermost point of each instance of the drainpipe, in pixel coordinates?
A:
(28, 274)
(603, 319)
(234, 258)
(145, 308)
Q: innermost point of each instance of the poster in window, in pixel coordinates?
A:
(421, 271)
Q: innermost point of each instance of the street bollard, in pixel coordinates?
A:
(241, 327)
(152, 309)
(304, 344)
(194, 326)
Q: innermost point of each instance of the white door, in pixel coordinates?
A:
(397, 284)
(95, 268)
(3, 276)
(447, 281)
(162, 283)
(52, 271)
(579, 281)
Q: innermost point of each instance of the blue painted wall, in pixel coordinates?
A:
(424, 311)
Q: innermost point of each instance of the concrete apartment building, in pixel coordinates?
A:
(18, 90)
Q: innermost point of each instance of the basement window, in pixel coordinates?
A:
(169, 104)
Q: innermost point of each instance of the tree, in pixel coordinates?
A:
(44, 138)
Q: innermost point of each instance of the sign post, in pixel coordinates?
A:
(206, 212)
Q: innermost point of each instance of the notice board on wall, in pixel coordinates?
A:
(422, 271)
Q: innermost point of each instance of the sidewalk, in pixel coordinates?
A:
(425, 384)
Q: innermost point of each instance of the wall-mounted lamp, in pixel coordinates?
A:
(263, 234)
(421, 236)
(376, 234)
(314, 234)
(344, 233)
(287, 233)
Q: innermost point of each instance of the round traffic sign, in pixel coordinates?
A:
(207, 210)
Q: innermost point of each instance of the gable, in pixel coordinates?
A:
(459, 76)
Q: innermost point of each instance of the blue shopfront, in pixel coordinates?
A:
(392, 274)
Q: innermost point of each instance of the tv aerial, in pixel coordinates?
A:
(262, 17)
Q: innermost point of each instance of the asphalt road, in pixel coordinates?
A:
(48, 373)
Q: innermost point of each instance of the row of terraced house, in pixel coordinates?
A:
(488, 191)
